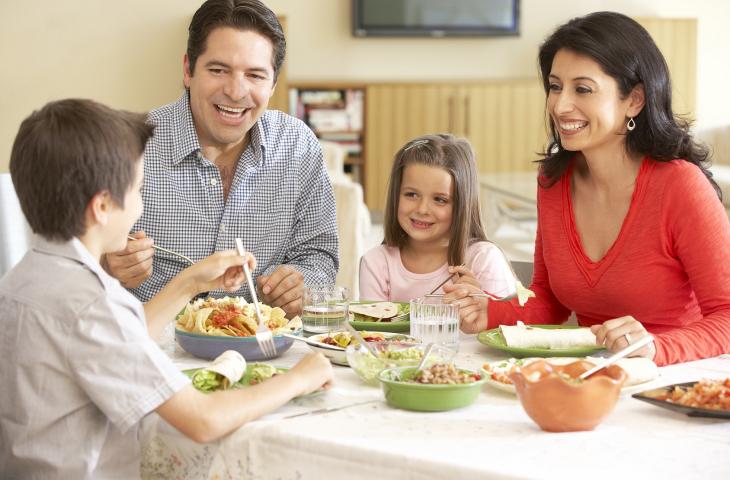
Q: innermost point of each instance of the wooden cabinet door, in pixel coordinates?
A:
(395, 114)
(505, 123)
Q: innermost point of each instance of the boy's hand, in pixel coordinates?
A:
(472, 310)
(133, 265)
(313, 372)
(222, 270)
(284, 288)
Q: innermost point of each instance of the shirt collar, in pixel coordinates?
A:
(188, 142)
(74, 250)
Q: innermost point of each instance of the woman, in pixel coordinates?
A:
(632, 236)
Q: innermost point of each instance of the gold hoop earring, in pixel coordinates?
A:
(631, 124)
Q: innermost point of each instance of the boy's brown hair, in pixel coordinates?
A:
(456, 156)
(67, 152)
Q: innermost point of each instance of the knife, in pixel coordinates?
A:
(331, 409)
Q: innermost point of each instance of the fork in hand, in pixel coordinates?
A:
(263, 335)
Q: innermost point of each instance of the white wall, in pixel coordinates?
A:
(128, 53)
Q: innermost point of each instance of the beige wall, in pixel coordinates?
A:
(128, 54)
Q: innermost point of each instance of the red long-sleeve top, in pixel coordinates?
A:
(669, 267)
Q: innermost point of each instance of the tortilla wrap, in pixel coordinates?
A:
(229, 364)
(376, 310)
(523, 336)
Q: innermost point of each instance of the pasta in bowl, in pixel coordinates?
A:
(208, 327)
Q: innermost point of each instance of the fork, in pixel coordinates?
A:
(167, 250)
(263, 335)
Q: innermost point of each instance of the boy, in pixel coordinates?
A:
(80, 369)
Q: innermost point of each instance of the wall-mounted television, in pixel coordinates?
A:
(435, 18)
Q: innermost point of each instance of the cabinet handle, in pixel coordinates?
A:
(451, 114)
(466, 116)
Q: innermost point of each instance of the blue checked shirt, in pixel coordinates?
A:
(280, 202)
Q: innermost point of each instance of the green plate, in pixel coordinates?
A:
(399, 326)
(493, 338)
(427, 398)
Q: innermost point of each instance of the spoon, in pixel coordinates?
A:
(617, 356)
(426, 353)
(359, 338)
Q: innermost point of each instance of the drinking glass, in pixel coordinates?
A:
(325, 308)
(432, 320)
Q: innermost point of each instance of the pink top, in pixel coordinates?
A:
(669, 267)
(383, 276)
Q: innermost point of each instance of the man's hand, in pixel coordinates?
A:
(284, 288)
(133, 265)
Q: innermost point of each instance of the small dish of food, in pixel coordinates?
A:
(335, 343)
(381, 316)
(437, 388)
(389, 355)
(558, 401)
(705, 398)
(208, 327)
(641, 372)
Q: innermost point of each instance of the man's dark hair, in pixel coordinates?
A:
(238, 14)
(67, 152)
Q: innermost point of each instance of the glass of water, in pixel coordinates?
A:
(432, 320)
(325, 308)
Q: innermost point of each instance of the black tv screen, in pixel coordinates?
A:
(434, 18)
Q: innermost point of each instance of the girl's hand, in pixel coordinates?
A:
(616, 334)
(472, 310)
(464, 276)
(222, 270)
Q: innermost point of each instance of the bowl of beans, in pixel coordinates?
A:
(558, 401)
(440, 387)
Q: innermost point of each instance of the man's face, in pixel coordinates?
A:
(231, 86)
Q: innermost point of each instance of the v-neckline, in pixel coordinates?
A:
(594, 270)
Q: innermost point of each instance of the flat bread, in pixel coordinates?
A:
(376, 310)
(230, 364)
(524, 336)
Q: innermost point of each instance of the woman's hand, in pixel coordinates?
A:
(618, 333)
(464, 276)
(472, 310)
(222, 270)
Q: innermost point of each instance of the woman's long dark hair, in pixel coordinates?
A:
(626, 52)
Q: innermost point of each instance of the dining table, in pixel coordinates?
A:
(349, 431)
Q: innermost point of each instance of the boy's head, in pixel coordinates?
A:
(70, 152)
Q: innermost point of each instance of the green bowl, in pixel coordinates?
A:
(427, 398)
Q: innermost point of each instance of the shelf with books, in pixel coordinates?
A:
(335, 113)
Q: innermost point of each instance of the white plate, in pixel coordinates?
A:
(336, 354)
(510, 388)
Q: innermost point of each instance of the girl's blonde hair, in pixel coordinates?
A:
(456, 156)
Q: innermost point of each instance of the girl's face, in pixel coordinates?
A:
(585, 104)
(425, 203)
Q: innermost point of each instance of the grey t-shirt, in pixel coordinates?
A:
(78, 371)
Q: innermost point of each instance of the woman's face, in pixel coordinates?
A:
(585, 104)
(425, 203)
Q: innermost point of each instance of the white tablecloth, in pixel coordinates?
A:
(493, 438)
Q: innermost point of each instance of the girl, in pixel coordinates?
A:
(433, 228)
(632, 236)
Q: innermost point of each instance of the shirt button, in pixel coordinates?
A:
(223, 228)
(213, 182)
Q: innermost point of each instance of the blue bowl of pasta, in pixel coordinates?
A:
(208, 327)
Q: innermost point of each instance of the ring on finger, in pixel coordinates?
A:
(627, 336)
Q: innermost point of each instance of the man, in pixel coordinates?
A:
(220, 166)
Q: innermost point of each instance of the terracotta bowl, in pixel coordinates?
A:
(558, 404)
